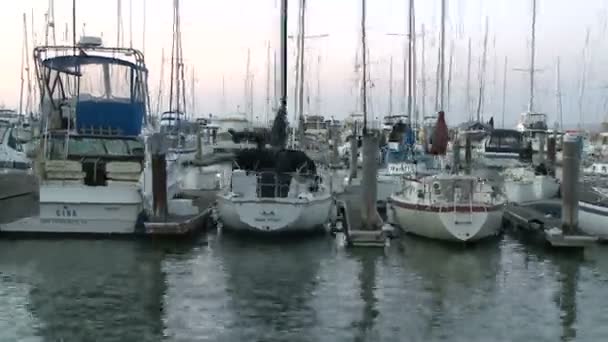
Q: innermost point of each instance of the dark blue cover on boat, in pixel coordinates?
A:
(125, 117)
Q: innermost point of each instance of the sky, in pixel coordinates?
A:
(217, 34)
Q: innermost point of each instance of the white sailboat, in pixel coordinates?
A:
(445, 206)
(533, 124)
(90, 158)
(275, 191)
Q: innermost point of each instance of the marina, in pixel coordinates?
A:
(141, 198)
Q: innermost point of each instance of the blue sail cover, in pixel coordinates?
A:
(111, 92)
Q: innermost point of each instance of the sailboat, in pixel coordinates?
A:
(446, 206)
(90, 158)
(533, 124)
(275, 190)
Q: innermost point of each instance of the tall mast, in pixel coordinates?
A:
(118, 23)
(131, 24)
(468, 96)
(275, 100)
(390, 88)
(410, 37)
(442, 58)
(504, 92)
(558, 94)
(223, 103)
(160, 83)
(268, 105)
(532, 57)
(143, 33)
(246, 90)
(23, 56)
(413, 57)
(318, 97)
(583, 80)
(280, 124)
(192, 92)
(50, 24)
(450, 64)
(364, 61)
(301, 64)
(28, 101)
(482, 73)
(423, 72)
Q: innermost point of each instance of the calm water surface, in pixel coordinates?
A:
(227, 288)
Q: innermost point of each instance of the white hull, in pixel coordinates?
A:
(274, 215)
(593, 219)
(540, 188)
(80, 209)
(448, 225)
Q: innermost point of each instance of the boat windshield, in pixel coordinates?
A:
(95, 147)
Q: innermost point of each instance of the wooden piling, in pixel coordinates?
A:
(570, 184)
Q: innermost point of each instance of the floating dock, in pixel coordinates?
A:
(542, 220)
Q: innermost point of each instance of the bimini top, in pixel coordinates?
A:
(70, 64)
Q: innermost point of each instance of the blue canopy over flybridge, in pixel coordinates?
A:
(109, 93)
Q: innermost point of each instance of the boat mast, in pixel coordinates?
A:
(423, 72)
(247, 88)
(280, 124)
(450, 64)
(223, 103)
(301, 67)
(532, 57)
(131, 24)
(390, 87)
(275, 99)
(192, 93)
(268, 105)
(160, 82)
(468, 96)
(143, 34)
(504, 92)
(442, 58)
(23, 56)
(410, 37)
(413, 77)
(28, 101)
(119, 34)
(482, 73)
(583, 80)
(558, 93)
(50, 24)
(364, 61)
(318, 97)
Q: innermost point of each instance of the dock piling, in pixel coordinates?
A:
(570, 183)
(159, 175)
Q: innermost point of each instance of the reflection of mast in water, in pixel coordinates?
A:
(565, 297)
(367, 283)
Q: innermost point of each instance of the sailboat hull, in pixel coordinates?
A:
(444, 223)
(274, 215)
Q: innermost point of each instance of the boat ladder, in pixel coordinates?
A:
(459, 220)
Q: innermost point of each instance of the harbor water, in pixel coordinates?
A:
(232, 288)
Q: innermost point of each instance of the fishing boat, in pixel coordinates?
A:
(91, 156)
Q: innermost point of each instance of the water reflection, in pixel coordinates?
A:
(270, 285)
(79, 290)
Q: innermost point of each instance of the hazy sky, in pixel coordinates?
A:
(217, 33)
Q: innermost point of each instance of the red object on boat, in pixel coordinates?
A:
(440, 136)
